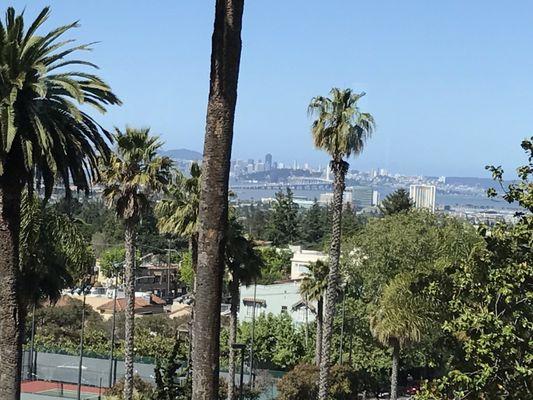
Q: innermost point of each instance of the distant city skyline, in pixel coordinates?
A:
(449, 83)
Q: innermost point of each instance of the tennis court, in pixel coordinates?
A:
(47, 390)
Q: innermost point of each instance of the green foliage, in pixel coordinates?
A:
(340, 128)
(417, 242)
(276, 264)
(278, 343)
(168, 377)
(490, 308)
(134, 173)
(282, 225)
(142, 390)
(301, 383)
(396, 202)
(178, 210)
(314, 226)
(54, 254)
(254, 217)
(243, 261)
(186, 271)
(314, 284)
(42, 128)
(111, 261)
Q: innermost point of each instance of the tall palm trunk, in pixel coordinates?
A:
(193, 247)
(395, 364)
(129, 292)
(234, 307)
(318, 343)
(10, 337)
(213, 216)
(339, 168)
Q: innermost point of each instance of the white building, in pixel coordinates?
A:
(275, 299)
(327, 198)
(423, 196)
(301, 259)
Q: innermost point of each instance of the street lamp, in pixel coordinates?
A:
(241, 347)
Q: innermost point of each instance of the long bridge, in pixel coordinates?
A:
(301, 183)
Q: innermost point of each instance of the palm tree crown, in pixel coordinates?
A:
(42, 129)
(340, 128)
(398, 315)
(314, 283)
(134, 173)
(178, 212)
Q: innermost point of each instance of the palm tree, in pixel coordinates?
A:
(244, 266)
(132, 175)
(178, 215)
(44, 134)
(213, 217)
(397, 322)
(312, 288)
(340, 129)
(53, 253)
(178, 212)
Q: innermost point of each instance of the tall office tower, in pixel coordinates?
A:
(363, 196)
(423, 196)
(268, 162)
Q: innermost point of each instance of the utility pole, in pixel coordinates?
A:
(111, 356)
(252, 375)
(168, 270)
(81, 344)
(31, 371)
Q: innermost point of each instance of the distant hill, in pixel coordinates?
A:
(183, 154)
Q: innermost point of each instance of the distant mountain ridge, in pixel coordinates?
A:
(183, 154)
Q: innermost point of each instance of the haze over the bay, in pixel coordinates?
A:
(449, 85)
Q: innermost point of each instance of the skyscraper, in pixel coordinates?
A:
(268, 162)
(423, 196)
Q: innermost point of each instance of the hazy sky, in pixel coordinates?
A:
(450, 83)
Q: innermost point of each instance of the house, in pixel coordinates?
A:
(301, 259)
(282, 297)
(145, 304)
(159, 278)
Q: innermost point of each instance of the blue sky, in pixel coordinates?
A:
(450, 83)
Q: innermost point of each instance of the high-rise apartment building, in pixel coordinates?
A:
(423, 196)
(268, 162)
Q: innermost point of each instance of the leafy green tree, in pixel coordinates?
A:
(489, 300)
(313, 288)
(417, 242)
(54, 254)
(340, 129)
(276, 264)
(45, 135)
(313, 225)
(244, 267)
(301, 383)
(112, 260)
(168, 375)
(133, 174)
(255, 218)
(278, 343)
(395, 202)
(282, 226)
